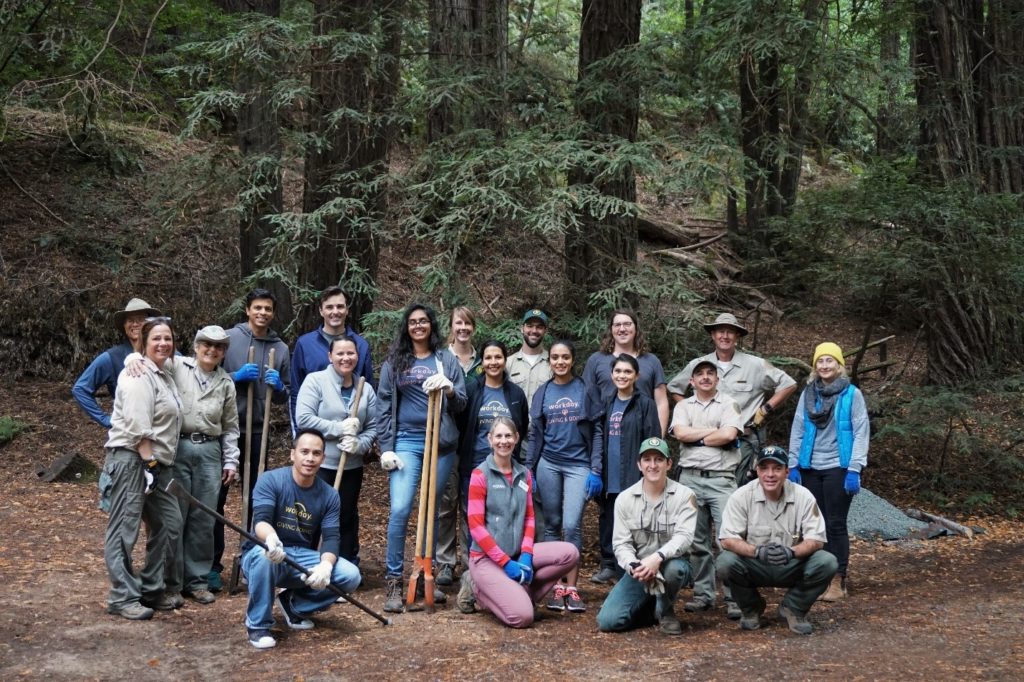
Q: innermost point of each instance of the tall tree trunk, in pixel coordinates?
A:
(889, 63)
(349, 160)
(259, 142)
(602, 244)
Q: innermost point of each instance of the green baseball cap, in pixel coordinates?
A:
(656, 444)
(538, 313)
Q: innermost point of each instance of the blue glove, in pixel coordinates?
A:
(526, 561)
(852, 483)
(794, 475)
(247, 372)
(594, 485)
(273, 379)
(514, 570)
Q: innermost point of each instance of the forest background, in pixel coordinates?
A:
(794, 160)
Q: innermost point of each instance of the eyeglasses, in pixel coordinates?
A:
(622, 325)
(162, 319)
(423, 322)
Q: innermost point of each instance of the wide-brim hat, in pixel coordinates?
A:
(213, 334)
(726, 320)
(136, 305)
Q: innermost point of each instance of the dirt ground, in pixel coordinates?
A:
(945, 609)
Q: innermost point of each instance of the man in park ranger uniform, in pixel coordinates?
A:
(707, 423)
(772, 535)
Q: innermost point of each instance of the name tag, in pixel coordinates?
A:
(522, 484)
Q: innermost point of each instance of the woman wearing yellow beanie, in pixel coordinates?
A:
(828, 448)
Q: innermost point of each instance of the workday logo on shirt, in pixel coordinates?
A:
(563, 411)
(615, 423)
(416, 374)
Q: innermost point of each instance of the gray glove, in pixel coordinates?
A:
(778, 555)
(761, 554)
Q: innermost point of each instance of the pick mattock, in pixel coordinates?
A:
(174, 488)
(423, 564)
(353, 411)
(246, 466)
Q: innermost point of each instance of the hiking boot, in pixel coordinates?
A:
(836, 589)
(573, 601)
(466, 601)
(165, 601)
(670, 625)
(606, 576)
(393, 601)
(294, 620)
(556, 602)
(751, 620)
(439, 596)
(214, 582)
(732, 611)
(261, 639)
(200, 596)
(132, 611)
(696, 605)
(797, 621)
(445, 575)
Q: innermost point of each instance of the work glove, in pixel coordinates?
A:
(514, 570)
(247, 372)
(594, 485)
(761, 554)
(275, 549)
(150, 480)
(759, 416)
(437, 382)
(852, 483)
(794, 475)
(389, 461)
(778, 555)
(320, 576)
(350, 426)
(273, 379)
(348, 444)
(526, 561)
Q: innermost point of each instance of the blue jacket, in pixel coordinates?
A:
(468, 422)
(842, 442)
(310, 355)
(591, 428)
(103, 371)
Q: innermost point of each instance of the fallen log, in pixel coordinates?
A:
(70, 468)
(952, 526)
(653, 229)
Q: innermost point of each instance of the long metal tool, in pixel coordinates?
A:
(236, 566)
(174, 488)
(352, 412)
(422, 565)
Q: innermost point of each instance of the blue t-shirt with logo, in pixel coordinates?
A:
(492, 406)
(300, 516)
(613, 447)
(412, 401)
(563, 409)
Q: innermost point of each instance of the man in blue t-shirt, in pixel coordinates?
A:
(294, 512)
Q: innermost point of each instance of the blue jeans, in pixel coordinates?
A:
(629, 606)
(403, 484)
(264, 576)
(563, 492)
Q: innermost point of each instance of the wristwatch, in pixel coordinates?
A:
(661, 554)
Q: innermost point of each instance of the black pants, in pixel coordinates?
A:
(827, 487)
(351, 485)
(222, 498)
(605, 527)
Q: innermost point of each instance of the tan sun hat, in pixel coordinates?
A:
(726, 320)
(136, 305)
(213, 334)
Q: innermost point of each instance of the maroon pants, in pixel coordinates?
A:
(511, 602)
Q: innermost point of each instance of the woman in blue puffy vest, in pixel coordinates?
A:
(828, 449)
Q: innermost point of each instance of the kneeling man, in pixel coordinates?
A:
(772, 536)
(654, 523)
(294, 513)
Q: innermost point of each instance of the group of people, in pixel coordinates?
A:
(525, 441)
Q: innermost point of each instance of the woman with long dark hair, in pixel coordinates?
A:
(416, 364)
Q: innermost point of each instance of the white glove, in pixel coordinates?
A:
(150, 480)
(348, 444)
(350, 426)
(389, 461)
(275, 549)
(320, 576)
(437, 382)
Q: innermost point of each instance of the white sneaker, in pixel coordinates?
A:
(261, 639)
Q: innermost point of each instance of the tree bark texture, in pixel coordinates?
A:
(468, 64)
(350, 159)
(598, 249)
(889, 63)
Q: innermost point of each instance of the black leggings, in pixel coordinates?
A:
(834, 502)
(351, 485)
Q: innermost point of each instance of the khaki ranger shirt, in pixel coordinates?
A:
(211, 410)
(146, 408)
(526, 376)
(748, 379)
(751, 516)
(720, 411)
(643, 528)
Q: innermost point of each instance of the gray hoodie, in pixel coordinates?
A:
(237, 355)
